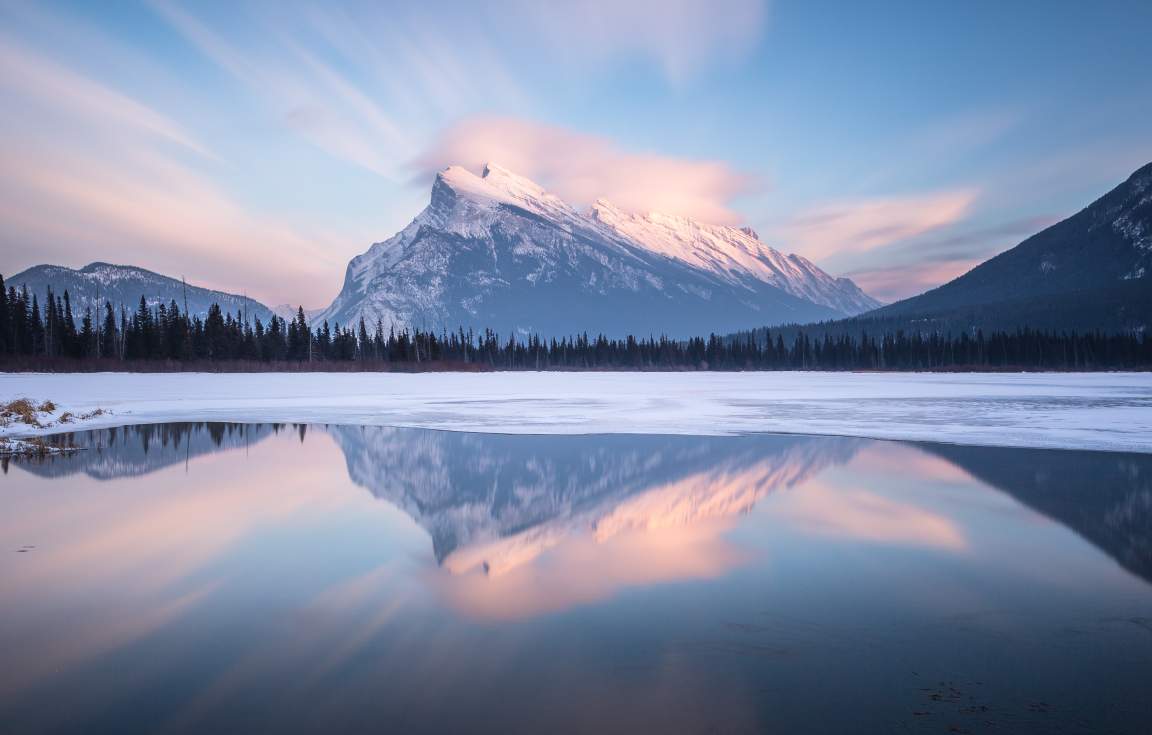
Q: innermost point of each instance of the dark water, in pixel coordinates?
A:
(212, 578)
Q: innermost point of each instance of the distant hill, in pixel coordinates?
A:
(1092, 271)
(96, 283)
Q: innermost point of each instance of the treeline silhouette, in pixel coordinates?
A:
(48, 335)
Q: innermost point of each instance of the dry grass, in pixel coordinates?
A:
(21, 410)
(27, 412)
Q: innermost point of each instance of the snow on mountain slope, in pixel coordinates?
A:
(123, 285)
(498, 251)
(736, 254)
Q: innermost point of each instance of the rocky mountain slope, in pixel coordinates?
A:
(498, 251)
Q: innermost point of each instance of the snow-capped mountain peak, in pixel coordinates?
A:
(516, 186)
(464, 183)
(498, 250)
(497, 185)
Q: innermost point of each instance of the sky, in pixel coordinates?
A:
(257, 146)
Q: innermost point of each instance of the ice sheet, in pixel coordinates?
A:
(1105, 411)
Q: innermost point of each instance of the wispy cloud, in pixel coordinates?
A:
(52, 89)
(581, 168)
(155, 176)
(862, 225)
(365, 83)
(154, 212)
(913, 266)
(87, 172)
(892, 283)
(679, 36)
(310, 95)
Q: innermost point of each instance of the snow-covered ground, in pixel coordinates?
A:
(1109, 411)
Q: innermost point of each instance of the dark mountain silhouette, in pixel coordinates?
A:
(1106, 497)
(1092, 271)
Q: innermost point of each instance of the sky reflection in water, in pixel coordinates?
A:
(182, 577)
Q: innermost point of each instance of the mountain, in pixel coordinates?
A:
(123, 285)
(1090, 271)
(499, 251)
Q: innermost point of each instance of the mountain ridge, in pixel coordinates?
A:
(123, 285)
(1108, 241)
(734, 253)
(499, 251)
(1088, 272)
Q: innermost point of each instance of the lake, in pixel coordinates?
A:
(260, 577)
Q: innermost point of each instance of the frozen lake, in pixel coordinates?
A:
(222, 577)
(1104, 411)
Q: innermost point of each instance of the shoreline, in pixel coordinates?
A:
(1091, 411)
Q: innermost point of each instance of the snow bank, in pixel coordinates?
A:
(1106, 411)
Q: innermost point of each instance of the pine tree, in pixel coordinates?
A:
(215, 336)
(108, 339)
(85, 345)
(35, 329)
(68, 332)
(363, 348)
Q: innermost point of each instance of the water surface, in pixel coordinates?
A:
(211, 577)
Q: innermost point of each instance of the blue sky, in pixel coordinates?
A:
(257, 146)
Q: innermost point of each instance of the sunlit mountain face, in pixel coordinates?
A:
(499, 251)
(283, 572)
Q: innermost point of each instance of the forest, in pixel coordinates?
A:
(48, 335)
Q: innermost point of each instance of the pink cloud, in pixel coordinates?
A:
(125, 189)
(901, 281)
(153, 212)
(862, 225)
(581, 168)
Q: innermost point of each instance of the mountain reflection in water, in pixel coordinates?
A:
(496, 501)
(273, 564)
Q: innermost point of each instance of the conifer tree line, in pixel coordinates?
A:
(51, 329)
